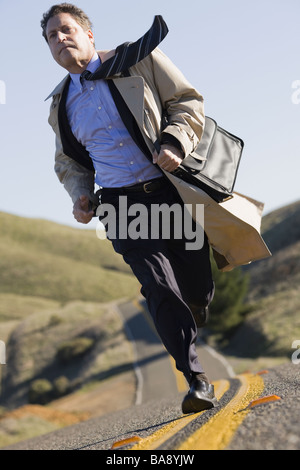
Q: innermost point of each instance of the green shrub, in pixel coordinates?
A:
(40, 392)
(74, 348)
(228, 308)
(55, 320)
(61, 386)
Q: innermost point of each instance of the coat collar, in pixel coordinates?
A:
(59, 88)
(104, 55)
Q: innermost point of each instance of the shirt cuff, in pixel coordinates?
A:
(171, 140)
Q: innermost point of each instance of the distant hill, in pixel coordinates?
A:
(274, 290)
(288, 215)
(44, 259)
(281, 232)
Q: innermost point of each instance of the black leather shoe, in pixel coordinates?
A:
(201, 396)
(200, 315)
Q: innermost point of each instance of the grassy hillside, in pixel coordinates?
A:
(59, 240)
(284, 215)
(34, 352)
(274, 291)
(36, 344)
(58, 284)
(281, 231)
(40, 258)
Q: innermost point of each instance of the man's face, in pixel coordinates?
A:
(70, 45)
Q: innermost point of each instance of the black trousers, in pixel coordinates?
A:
(172, 277)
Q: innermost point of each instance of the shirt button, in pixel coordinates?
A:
(140, 180)
(99, 107)
(109, 127)
(121, 144)
(92, 88)
(131, 163)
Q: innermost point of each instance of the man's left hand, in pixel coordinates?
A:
(81, 210)
(169, 157)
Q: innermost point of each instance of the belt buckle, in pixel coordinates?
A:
(145, 187)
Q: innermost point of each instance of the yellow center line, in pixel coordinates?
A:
(219, 430)
(169, 430)
(179, 377)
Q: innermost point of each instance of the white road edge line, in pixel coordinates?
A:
(136, 367)
(220, 358)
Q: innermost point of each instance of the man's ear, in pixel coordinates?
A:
(91, 36)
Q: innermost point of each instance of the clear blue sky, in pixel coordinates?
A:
(243, 56)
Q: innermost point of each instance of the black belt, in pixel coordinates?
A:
(145, 187)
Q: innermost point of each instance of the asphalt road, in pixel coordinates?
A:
(242, 421)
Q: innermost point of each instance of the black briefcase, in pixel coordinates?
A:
(213, 166)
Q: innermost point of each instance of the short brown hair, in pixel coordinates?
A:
(79, 15)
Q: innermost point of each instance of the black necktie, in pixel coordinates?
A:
(129, 54)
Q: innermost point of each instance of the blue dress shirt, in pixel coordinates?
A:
(96, 124)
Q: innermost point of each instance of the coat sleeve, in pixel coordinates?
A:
(76, 179)
(183, 103)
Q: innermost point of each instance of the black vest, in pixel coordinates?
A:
(74, 149)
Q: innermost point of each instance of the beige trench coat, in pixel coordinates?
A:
(233, 227)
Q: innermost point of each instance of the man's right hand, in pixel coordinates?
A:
(81, 210)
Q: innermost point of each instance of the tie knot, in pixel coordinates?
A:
(85, 75)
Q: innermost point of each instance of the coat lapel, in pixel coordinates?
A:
(132, 91)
